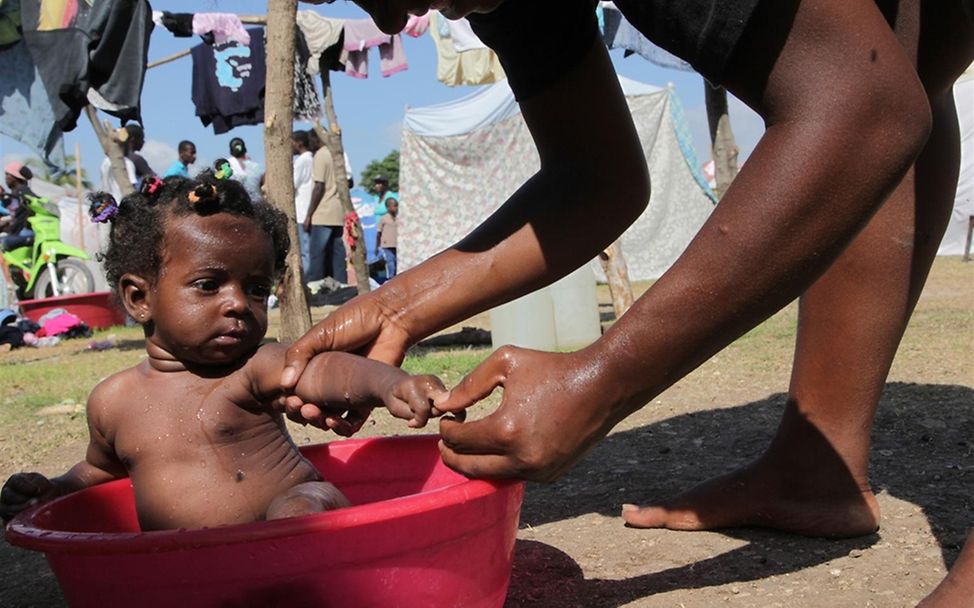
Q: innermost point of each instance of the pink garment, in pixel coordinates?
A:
(59, 324)
(225, 26)
(360, 36)
(417, 26)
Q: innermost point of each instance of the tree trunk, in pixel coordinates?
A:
(279, 179)
(332, 137)
(721, 138)
(113, 150)
(617, 275)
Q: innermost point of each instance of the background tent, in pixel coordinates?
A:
(956, 235)
(461, 160)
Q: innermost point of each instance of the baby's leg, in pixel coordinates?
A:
(305, 498)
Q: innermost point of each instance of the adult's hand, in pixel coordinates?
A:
(364, 325)
(555, 408)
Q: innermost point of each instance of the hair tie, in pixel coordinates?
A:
(103, 207)
(204, 193)
(223, 169)
(151, 187)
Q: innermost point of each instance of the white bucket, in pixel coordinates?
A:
(576, 302)
(528, 321)
(563, 316)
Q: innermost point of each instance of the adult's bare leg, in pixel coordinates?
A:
(813, 479)
(957, 589)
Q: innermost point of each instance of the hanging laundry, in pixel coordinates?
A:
(179, 24)
(417, 25)
(307, 104)
(320, 34)
(462, 35)
(363, 34)
(620, 34)
(477, 66)
(228, 82)
(25, 108)
(225, 27)
(98, 57)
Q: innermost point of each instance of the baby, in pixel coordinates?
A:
(194, 424)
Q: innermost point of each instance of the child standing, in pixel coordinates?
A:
(387, 236)
(194, 425)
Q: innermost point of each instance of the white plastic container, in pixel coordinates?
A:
(576, 303)
(563, 316)
(528, 321)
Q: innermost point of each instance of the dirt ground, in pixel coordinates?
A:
(573, 549)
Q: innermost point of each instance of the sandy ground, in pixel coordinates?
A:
(573, 549)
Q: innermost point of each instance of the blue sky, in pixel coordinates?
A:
(369, 111)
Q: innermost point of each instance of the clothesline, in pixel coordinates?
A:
(248, 19)
(463, 59)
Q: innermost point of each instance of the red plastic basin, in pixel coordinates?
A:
(420, 535)
(97, 310)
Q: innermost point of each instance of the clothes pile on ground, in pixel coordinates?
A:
(49, 330)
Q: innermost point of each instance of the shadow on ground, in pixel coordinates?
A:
(923, 453)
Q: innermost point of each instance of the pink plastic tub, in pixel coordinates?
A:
(420, 535)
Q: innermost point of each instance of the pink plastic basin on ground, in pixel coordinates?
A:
(420, 535)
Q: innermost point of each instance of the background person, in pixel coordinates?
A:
(380, 189)
(303, 164)
(187, 156)
(387, 236)
(133, 144)
(15, 230)
(325, 220)
(136, 167)
(245, 170)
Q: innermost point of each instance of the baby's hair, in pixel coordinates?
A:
(139, 222)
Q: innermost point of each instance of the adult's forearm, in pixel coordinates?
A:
(785, 219)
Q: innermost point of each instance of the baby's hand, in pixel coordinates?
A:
(24, 490)
(412, 399)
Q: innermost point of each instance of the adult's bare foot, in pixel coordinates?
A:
(957, 589)
(768, 496)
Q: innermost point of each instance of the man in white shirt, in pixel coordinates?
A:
(303, 184)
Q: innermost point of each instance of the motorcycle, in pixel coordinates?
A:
(47, 267)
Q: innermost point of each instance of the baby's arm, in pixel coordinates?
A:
(23, 490)
(345, 381)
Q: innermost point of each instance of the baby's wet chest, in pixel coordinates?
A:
(185, 419)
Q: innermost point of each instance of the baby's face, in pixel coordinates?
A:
(209, 303)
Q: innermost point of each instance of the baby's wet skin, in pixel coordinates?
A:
(196, 458)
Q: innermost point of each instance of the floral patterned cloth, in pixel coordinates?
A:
(454, 183)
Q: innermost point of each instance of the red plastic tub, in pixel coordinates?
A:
(420, 535)
(97, 310)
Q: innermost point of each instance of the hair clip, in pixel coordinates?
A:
(151, 186)
(103, 207)
(204, 193)
(223, 169)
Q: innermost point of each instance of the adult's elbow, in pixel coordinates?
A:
(631, 188)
